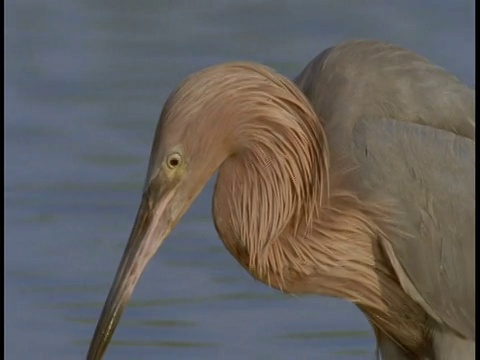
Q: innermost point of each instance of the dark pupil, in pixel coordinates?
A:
(173, 162)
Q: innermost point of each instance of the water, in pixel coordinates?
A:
(85, 82)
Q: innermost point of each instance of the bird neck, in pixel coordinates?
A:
(286, 244)
(276, 177)
(336, 253)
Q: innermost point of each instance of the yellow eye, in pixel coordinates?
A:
(174, 160)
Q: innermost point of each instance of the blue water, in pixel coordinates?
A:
(84, 85)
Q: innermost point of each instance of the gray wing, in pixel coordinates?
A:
(424, 159)
(430, 173)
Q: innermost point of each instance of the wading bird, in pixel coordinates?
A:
(355, 181)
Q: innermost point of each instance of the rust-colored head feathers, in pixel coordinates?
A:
(261, 127)
(238, 108)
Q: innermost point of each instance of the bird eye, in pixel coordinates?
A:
(174, 160)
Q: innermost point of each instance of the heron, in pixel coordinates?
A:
(355, 180)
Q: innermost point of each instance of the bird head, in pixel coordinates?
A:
(207, 119)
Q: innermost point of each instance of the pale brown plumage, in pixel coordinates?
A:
(358, 184)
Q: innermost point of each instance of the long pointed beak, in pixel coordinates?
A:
(152, 225)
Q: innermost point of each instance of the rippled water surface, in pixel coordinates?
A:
(84, 85)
